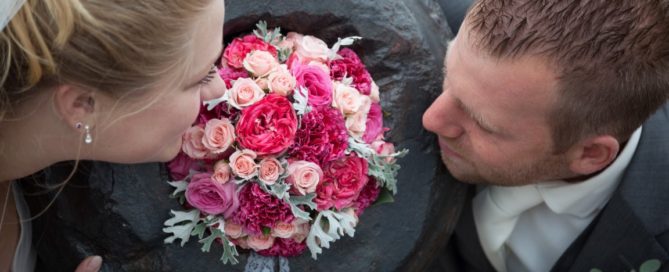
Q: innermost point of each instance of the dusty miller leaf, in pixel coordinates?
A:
(301, 97)
(336, 223)
(181, 225)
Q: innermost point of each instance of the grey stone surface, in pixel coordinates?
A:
(117, 211)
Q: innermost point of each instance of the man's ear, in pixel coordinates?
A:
(74, 104)
(593, 154)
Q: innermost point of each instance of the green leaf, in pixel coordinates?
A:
(384, 197)
(650, 266)
(181, 225)
(328, 227)
(180, 187)
(266, 230)
(307, 200)
(279, 189)
(301, 97)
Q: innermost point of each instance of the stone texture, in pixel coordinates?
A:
(117, 211)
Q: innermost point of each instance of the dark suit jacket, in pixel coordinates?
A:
(633, 227)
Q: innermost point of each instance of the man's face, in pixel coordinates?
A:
(492, 117)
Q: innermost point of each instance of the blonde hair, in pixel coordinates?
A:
(112, 46)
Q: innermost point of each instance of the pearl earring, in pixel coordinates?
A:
(88, 139)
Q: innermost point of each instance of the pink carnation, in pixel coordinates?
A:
(367, 196)
(285, 248)
(350, 65)
(321, 138)
(259, 209)
(229, 74)
(268, 127)
(374, 125)
(235, 53)
(343, 182)
(317, 81)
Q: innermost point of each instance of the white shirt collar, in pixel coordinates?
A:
(584, 198)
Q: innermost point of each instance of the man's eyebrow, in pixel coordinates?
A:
(478, 118)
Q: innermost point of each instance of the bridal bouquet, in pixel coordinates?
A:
(290, 156)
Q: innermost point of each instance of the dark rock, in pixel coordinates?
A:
(117, 211)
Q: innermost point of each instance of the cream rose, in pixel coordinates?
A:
(233, 230)
(304, 176)
(260, 63)
(347, 99)
(219, 134)
(242, 163)
(222, 172)
(291, 40)
(312, 48)
(270, 170)
(356, 124)
(283, 230)
(260, 242)
(244, 93)
(281, 81)
(192, 143)
(374, 94)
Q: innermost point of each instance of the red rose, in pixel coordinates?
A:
(268, 127)
(235, 53)
(350, 65)
(342, 183)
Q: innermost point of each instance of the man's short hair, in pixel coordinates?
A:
(611, 57)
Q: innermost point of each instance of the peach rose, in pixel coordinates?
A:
(374, 95)
(260, 63)
(347, 99)
(311, 48)
(242, 163)
(384, 149)
(260, 242)
(192, 143)
(283, 230)
(222, 172)
(219, 134)
(270, 170)
(304, 176)
(302, 228)
(233, 230)
(244, 93)
(281, 81)
(356, 124)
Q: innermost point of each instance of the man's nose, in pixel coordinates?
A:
(443, 118)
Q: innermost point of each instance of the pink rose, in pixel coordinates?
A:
(260, 242)
(212, 197)
(232, 230)
(268, 127)
(222, 172)
(347, 99)
(236, 52)
(192, 143)
(304, 176)
(219, 134)
(302, 228)
(316, 81)
(343, 182)
(180, 166)
(270, 170)
(312, 49)
(374, 124)
(281, 81)
(244, 93)
(260, 63)
(384, 149)
(356, 124)
(283, 230)
(242, 163)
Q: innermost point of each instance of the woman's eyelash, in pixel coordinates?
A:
(210, 75)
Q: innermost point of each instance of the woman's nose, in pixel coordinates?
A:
(443, 118)
(215, 89)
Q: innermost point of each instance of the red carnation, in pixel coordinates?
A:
(321, 138)
(350, 65)
(258, 209)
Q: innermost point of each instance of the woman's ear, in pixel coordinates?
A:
(74, 104)
(593, 154)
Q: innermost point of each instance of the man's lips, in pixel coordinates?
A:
(447, 150)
